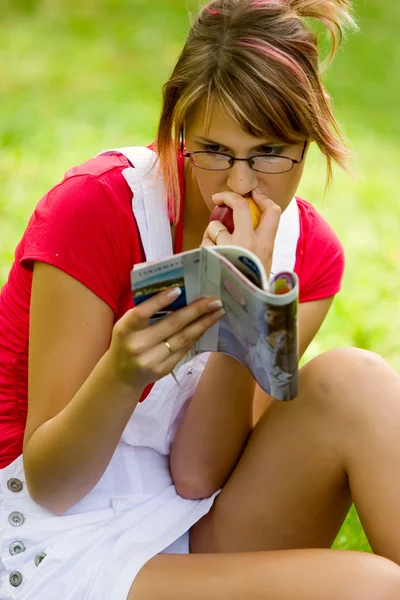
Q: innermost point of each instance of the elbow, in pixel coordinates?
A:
(193, 482)
(50, 499)
(195, 489)
(45, 501)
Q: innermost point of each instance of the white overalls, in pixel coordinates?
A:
(95, 550)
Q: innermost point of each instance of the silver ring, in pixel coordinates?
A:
(168, 346)
(218, 232)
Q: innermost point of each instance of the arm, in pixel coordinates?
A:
(77, 409)
(219, 419)
(215, 428)
(86, 377)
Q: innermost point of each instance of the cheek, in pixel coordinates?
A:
(210, 183)
(281, 188)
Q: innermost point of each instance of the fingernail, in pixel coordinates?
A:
(174, 293)
(215, 304)
(217, 315)
(216, 195)
(258, 190)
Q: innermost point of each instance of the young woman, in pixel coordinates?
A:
(180, 496)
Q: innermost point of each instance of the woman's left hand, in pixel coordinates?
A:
(261, 241)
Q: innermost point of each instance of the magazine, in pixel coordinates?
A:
(260, 325)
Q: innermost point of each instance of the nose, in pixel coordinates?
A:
(241, 178)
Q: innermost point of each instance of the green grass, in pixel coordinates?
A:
(82, 76)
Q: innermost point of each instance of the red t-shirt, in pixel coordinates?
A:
(85, 227)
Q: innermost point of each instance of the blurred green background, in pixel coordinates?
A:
(81, 76)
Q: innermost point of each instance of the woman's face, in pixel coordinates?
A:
(225, 135)
(275, 318)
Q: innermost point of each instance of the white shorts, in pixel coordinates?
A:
(94, 550)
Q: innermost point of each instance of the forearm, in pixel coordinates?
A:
(215, 428)
(66, 456)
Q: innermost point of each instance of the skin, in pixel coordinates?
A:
(202, 185)
(306, 507)
(275, 192)
(287, 483)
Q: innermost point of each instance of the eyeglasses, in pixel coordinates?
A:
(262, 163)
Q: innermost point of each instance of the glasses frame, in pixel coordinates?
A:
(232, 159)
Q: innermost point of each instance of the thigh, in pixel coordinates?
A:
(289, 488)
(303, 575)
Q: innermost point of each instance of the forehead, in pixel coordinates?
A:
(217, 124)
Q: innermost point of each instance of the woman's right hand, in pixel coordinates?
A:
(139, 352)
(261, 240)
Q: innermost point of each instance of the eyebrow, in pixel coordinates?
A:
(214, 143)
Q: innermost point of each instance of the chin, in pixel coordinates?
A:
(209, 204)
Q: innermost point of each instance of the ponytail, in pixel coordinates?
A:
(335, 15)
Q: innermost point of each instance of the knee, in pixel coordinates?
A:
(381, 579)
(350, 376)
(347, 362)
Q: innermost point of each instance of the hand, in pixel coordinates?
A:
(139, 352)
(261, 241)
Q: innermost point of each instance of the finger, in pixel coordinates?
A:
(138, 317)
(242, 219)
(270, 219)
(265, 203)
(147, 338)
(207, 243)
(161, 360)
(227, 198)
(206, 235)
(218, 233)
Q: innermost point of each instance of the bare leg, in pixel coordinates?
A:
(305, 461)
(285, 575)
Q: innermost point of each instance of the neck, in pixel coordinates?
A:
(196, 213)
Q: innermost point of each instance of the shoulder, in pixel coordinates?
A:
(82, 188)
(97, 166)
(320, 255)
(88, 195)
(101, 175)
(85, 227)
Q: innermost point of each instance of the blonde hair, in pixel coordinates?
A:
(260, 61)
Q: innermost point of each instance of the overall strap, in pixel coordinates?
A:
(149, 203)
(287, 238)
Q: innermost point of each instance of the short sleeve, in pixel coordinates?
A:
(320, 256)
(86, 229)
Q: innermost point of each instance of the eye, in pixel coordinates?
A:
(272, 150)
(211, 148)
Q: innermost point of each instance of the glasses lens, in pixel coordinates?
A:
(272, 164)
(211, 161)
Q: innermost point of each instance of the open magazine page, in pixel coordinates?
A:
(259, 328)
